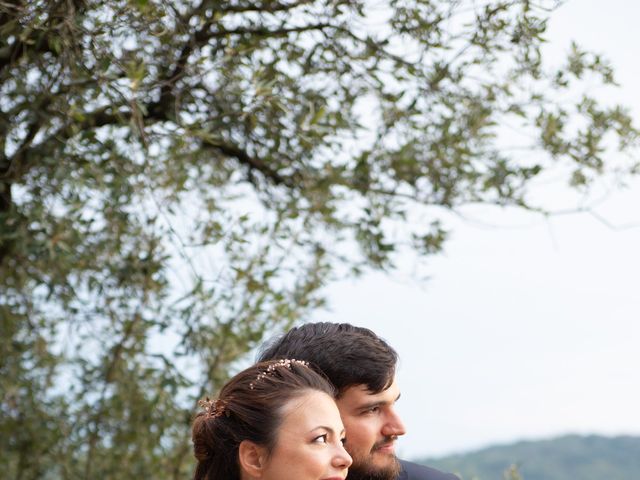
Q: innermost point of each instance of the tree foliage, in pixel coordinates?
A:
(178, 179)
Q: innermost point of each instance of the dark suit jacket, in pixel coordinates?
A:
(413, 471)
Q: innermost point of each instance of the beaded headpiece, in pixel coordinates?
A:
(213, 408)
(284, 363)
(216, 408)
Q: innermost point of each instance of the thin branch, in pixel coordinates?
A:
(588, 210)
(109, 116)
(377, 46)
(200, 38)
(19, 162)
(611, 225)
(13, 162)
(268, 32)
(40, 44)
(253, 163)
(272, 8)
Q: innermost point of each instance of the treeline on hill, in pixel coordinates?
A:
(570, 457)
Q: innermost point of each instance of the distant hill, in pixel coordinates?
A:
(571, 457)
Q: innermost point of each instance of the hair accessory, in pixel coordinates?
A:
(286, 363)
(213, 408)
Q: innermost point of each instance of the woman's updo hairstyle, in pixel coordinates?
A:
(249, 407)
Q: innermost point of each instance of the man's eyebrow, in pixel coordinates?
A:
(377, 403)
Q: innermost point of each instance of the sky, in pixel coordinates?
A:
(527, 327)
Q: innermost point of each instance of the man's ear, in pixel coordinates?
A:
(252, 458)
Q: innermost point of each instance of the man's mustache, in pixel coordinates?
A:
(384, 442)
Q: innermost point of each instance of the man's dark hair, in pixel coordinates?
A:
(346, 354)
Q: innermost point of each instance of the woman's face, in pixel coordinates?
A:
(309, 441)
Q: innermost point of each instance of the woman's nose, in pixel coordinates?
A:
(342, 459)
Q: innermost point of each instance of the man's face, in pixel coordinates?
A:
(372, 426)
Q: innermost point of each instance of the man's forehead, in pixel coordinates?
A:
(362, 394)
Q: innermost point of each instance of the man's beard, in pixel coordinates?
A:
(363, 468)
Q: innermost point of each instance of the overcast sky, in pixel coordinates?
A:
(527, 328)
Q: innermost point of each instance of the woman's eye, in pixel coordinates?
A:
(320, 439)
(343, 441)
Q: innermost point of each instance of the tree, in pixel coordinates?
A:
(179, 179)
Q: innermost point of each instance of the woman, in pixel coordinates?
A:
(276, 420)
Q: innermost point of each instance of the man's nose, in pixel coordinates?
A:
(393, 425)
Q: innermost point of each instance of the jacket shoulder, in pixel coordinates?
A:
(413, 471)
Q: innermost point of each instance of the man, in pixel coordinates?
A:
(362, 368)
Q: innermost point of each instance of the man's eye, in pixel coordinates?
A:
(320, 439)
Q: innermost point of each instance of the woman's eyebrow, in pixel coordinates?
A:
(329, 429)
(323, 427)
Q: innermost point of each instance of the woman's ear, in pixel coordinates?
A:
(252, 458)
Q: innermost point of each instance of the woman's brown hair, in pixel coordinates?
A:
(248, 408)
